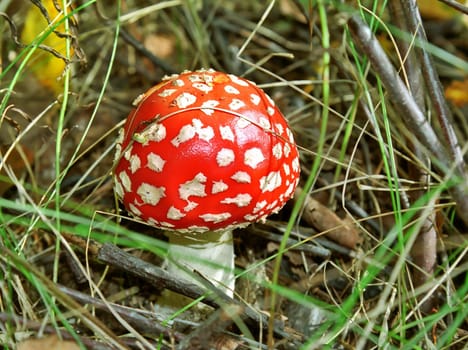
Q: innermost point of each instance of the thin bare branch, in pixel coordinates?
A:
(408, 109)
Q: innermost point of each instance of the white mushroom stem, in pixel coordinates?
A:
(210, 254)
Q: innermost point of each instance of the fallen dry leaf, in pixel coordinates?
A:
(325, 220)
(289, 8)
(160, 45)
(457, 92)
(17, 163)
(51, 342)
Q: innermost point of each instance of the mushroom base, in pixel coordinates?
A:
(209, 254)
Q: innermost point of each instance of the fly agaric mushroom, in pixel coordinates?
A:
(204, 153)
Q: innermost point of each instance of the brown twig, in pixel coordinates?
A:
(33, 325)
(87, 318)
(144, 324)
(456, 5)
(116, 257)
(424, 250)
(414, 118)
(432, 82)
(14, 37)
(21, 322)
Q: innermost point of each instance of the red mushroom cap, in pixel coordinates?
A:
(205, 151)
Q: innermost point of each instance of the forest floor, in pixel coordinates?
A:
(370, 254)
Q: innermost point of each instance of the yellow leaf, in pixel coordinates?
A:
(457, 92)
(47, 68)
(436, 10)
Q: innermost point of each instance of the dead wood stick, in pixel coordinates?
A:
(144, 324)
(20, 322)
(417, 123)
(434, 86)
(116, 257)
(424, 249)
(83, 314)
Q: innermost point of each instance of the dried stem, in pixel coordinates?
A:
(20, 322)
(432, 82)
(414, 118)
(144, 324)
(424, 250)
(117, 258)
(112, 255)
